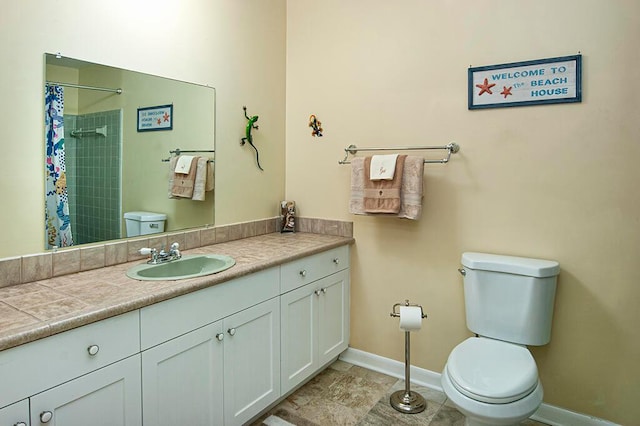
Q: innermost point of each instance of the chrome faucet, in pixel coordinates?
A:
(161, 256)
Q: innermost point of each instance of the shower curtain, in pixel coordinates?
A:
(57, 222)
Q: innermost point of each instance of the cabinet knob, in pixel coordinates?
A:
(231, 331)
(93, 350)
(317, 292)
(303, 273)
(336, 260)
(46, 416)
(324, 290)
(220, 337)
(20, 424)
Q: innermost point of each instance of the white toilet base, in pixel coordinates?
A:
(484, 414)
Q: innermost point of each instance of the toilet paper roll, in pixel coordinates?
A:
(410, 318)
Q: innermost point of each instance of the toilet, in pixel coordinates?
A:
(144, 223)
(492, 378)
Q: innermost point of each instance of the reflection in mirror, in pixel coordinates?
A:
(102, 162)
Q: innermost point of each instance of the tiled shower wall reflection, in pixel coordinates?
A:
(93, 165)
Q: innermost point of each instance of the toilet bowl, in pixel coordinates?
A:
(492, 378)
(492, 382)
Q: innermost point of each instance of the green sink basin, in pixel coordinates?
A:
(189, 266)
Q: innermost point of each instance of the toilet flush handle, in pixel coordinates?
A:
(462, 271)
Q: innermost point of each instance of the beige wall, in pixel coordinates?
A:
(556, 182)
(237, 47)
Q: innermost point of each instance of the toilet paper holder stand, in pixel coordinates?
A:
(407, 401)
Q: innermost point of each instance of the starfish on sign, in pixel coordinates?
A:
(486, 87)
(506, 91)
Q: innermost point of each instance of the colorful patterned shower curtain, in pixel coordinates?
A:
(57, 222)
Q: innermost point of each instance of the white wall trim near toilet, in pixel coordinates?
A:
(548, 414)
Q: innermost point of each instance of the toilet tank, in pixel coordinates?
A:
(510, 298)
(144, 223)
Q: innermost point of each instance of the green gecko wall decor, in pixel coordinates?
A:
(251, 124)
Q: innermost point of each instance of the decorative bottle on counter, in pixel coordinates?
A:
(288, 216)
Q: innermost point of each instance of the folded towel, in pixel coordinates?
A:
(356, 201)
(172, 167)
(383, 196)
(410, 194)
(183, 165)
(200, 179)
(383, 167)
(210, 179)
(183, 184)
(412, 188)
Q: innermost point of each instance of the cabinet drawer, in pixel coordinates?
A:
(306, 270)
(171, 318)
(39, 365)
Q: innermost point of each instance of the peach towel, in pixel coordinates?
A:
(183, 185)
(172, 167)
(209, 185)
(383, 196)
(200, 180)
(410, 195)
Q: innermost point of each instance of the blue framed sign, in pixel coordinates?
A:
(543, 81)
(155, 118)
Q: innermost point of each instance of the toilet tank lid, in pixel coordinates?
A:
(145, 216)
(539, 268)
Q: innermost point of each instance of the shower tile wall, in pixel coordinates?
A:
(94, 175)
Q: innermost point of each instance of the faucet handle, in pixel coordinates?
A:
(146, 251)
(173, 250)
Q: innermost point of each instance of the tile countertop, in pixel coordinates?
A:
(39, 309)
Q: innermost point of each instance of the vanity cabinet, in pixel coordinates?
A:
(315, 316)
(220, 355)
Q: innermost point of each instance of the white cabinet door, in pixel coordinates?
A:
(299, 336)
(182, 379)
(251, 361)
(109, 396)
(15, 414)
(315, 327)
(333, 316)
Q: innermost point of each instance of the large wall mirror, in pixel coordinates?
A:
(110, 162)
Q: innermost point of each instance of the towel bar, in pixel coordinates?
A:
(179, 151)
(451, 148)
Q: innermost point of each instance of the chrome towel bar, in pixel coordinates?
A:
(179, 152)
(451, 148)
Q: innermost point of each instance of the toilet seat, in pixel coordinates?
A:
(492, 371)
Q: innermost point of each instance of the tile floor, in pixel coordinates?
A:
(346, 394)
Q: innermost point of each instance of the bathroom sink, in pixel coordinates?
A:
(189, 266)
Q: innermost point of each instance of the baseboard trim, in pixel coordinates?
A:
(547, 413)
